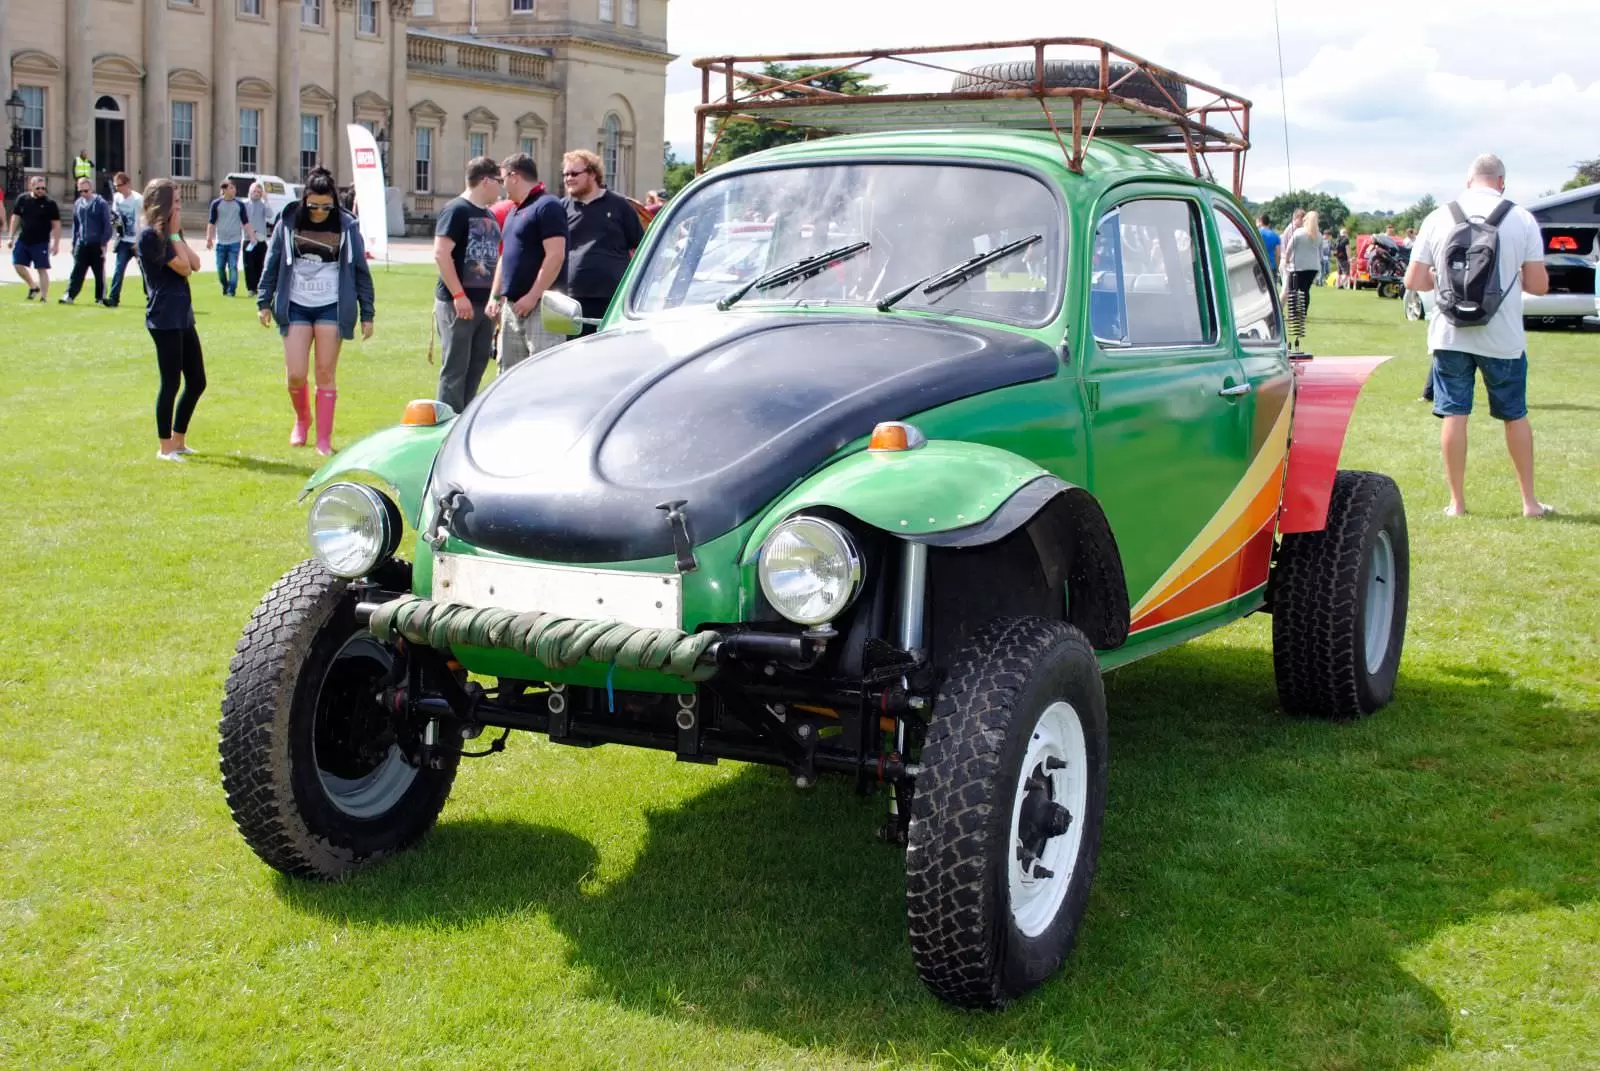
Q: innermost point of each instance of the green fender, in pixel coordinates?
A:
(400, 457)
(942, 487)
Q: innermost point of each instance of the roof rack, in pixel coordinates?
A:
(1120, 96)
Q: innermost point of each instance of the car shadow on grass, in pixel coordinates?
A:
(1261, 879)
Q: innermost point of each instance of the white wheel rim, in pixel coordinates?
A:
(1379, 618)
(1057, 738)
(375, 792)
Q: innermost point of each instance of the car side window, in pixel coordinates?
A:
(1149, 284)
(1255, 312)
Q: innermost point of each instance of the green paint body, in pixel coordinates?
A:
(1142, 430)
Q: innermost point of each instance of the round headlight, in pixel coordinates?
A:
(352, 528)
(809, 570)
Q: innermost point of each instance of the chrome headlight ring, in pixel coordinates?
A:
(810, 570)
(353, 528)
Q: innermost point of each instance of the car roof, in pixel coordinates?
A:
(1105, 163)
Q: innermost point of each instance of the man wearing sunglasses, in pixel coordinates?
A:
(604, 233)
(39, 219)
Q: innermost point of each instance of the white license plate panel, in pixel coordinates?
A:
(647, 600)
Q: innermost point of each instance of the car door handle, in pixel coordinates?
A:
(1234, 391)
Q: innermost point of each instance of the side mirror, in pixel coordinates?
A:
(560, 314)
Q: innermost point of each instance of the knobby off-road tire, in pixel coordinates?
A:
(1339, 603)
(312, 776)
(983, 931)
(1074, 74)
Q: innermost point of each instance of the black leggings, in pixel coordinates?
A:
(1301, 281)
(178, 355)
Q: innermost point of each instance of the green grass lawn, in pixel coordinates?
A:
(1415, 890)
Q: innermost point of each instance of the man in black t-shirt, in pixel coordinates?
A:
(604, 233)
(533, 259)
(466, 248)
(39, 219)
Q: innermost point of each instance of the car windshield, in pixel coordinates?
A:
(918, 219)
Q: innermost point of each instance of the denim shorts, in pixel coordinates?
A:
(1504, 378)
(31, 255)
(322, 314)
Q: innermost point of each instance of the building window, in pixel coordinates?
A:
(424, 159)
(522, 7)
(477, 144)
(311, 12)
(367, 17)
(422, 10)
(250, 7)
(310, 143)
(611, 151)
(630, 12)
(525, 145)
(182, 139)
(32, 127)
(250, 140)
(606, 12)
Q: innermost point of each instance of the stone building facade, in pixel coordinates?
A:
(196, 89)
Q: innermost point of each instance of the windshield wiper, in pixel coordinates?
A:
(803, 268)
(959, 273)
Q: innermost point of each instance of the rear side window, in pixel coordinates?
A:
(1148, 278)
(1255, 312)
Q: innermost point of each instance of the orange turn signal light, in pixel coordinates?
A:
(425, 413)
(893, 436)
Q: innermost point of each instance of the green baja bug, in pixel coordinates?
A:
(887, 448)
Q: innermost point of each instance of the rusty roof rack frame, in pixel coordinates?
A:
(1207, 122)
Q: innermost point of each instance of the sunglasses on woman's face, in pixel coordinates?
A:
(319, 206)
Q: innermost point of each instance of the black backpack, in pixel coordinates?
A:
(1469, 279)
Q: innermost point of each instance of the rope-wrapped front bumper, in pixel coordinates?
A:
(554, 641)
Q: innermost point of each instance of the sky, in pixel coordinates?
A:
(1386, 101)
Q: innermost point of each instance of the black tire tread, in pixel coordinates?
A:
(1316, 652)
(253, 730)
(1074, 74)
(949, 918)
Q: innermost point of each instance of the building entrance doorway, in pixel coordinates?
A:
(110, 150)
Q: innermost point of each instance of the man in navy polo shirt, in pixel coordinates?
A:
(533, 259)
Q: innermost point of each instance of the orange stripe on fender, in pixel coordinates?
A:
(1243, 571)
(1325, 395)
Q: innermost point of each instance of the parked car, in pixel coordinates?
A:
(852, 495)
(277, 192)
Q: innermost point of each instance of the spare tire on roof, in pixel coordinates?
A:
(1074, 74)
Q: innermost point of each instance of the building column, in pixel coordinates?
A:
(80, 83)
(288, 166)
(344, 69)
(402, 139)
(5, 71)
(156, 149)
(224, 155)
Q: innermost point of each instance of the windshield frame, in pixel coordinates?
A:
(663, 223)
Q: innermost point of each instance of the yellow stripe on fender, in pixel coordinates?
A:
(1234, 524)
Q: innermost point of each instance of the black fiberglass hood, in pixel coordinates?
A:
(566, 457)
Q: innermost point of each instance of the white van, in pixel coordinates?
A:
(278, 192)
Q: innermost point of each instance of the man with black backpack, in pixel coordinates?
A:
(1481, 253)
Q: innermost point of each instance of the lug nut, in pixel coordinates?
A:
(1043, 873)
(1053, 763)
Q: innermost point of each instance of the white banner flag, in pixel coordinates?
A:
(371, 206)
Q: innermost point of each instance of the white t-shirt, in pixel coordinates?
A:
(1520, 243)
(128, 207)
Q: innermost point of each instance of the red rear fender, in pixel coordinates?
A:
(1325, 395)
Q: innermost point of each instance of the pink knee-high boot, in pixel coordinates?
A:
(325, 401)
(300, 398)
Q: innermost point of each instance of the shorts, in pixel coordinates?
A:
(35, 255)
(322, 314)
(1504, 378)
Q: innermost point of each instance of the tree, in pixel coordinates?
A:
(1588, 173)
(677, 172)
(1331, 211)
(1413, 216)
(739, 137)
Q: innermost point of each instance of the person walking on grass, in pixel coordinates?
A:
(604, 231)
(229, 224)
(532, 260)
(1302, 259)
(34, 237)
(166, 261)
(315, 284)
(1466, 344)
(127, 210)
(1270, 240)
(259, 215)
(91, 231)
(466, 250)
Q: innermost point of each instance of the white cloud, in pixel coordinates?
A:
(1387, 101)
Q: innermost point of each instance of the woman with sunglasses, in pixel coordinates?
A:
(314, 284)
